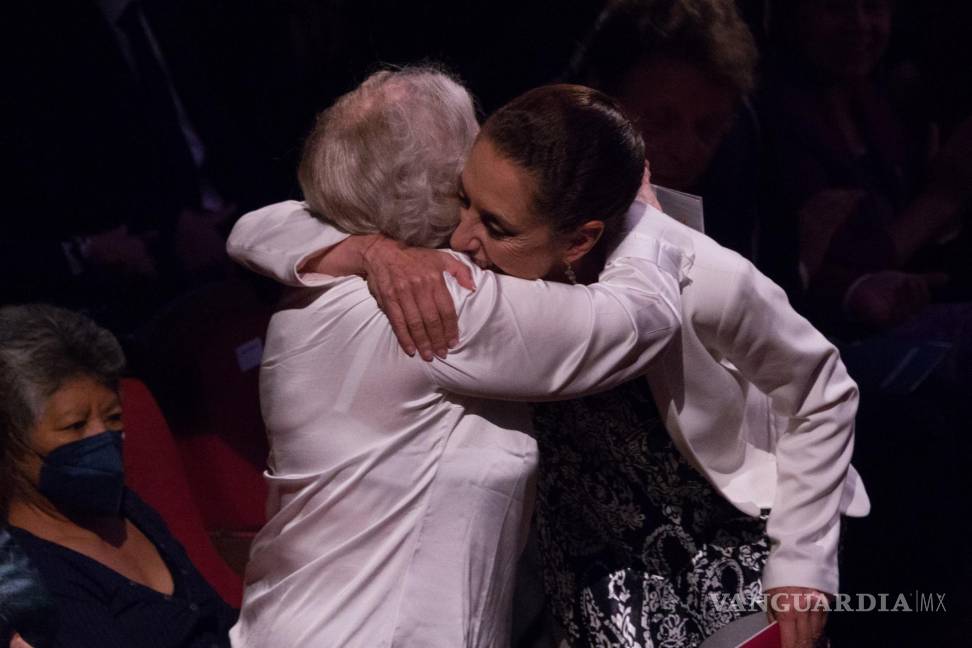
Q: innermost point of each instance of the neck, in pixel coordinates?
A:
(589, 266)
(38, 516)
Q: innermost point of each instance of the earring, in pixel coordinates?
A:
(569, 271)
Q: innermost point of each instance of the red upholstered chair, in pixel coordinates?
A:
(154, 470)
(202, 360)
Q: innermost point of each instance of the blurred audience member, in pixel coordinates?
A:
(116, 574)
(125, 169)
(864, 199)
(683, 70)
(866, 224)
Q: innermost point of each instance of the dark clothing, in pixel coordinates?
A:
(89, 143)
(730, 186)
(97, 606)
(806, 155)
(638, 548)
(26, 607)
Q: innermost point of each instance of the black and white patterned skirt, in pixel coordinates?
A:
(638, 549)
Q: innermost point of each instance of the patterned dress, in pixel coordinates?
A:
(637, 546)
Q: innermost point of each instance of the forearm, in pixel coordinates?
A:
(804, 523)
(278, 239)
(349, 257)
(814, 402)
(531, 340)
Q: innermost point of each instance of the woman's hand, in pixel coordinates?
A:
(410, 288)
(646, 192)
(801, 613)
(885, 299)
(17, 642)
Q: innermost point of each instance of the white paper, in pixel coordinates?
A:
(684, 207)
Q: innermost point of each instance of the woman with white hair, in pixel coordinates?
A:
(400, 490)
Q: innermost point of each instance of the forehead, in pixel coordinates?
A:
(499, 186)
(80, 394)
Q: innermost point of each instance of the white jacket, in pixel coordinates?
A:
(760, 402)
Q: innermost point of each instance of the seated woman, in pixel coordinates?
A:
(656, 507)
(117, 576)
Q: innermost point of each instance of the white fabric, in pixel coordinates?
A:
(761, 403)
(755, 397)
(400, 497)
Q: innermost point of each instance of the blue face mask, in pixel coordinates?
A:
(85, 476)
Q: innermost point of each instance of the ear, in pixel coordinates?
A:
(583, 240)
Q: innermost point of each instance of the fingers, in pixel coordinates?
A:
(18, 642)
(447, 313)
(411, 289)
(788, 631)
(399, 326)
(429, 307)
(646, 193)
(415, 323)
(460, 271)
(818, 622)
(383, 290)
(804, 639)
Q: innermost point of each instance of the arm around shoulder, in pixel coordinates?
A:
(536, 340)
(278, 239)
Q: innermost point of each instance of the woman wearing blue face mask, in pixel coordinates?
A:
(116, 574)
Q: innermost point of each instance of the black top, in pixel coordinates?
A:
(97, 606)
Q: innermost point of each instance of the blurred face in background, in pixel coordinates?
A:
(683, 113)
(842, 39)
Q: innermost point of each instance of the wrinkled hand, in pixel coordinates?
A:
(410, 288)
(645, 193)
(801, 613)
(118, 249)
(886, 299)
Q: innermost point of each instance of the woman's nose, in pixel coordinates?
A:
(463, 239)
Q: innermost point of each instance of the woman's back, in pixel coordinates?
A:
(387, 495)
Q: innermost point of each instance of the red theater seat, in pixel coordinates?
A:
(202, 358)
(154, 470)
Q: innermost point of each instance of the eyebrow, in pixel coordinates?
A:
(68, 417)
(485, 213)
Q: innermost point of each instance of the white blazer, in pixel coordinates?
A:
(761, 403)
(751, 393)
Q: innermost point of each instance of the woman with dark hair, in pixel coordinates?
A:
(117, 576)
(400, 491)
(683, 70)
(662, 512)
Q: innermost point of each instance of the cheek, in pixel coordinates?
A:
(524, 259)
(29, 467)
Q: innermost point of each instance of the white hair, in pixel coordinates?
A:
(386, 157)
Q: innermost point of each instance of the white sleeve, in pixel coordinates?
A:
(815, 400)
(536, 340)
(275, 240)
(519, 339)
